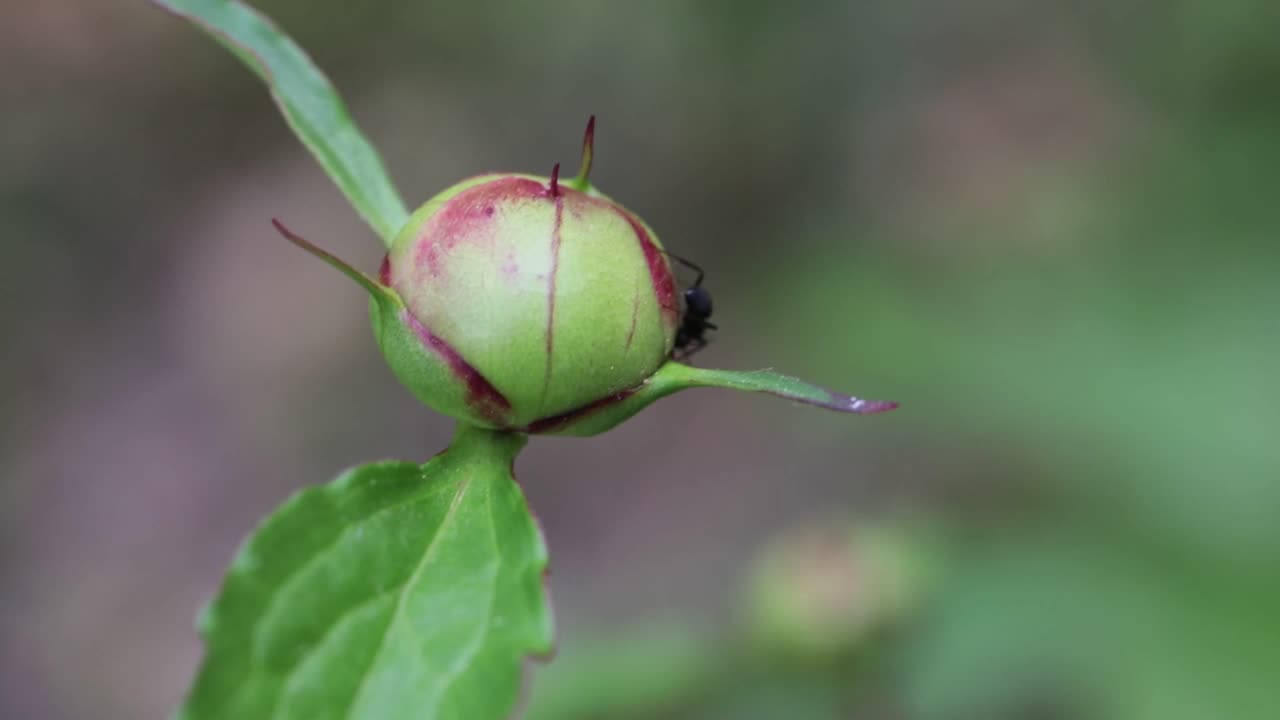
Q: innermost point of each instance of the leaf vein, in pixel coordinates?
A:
(465, 659)
(291, 676)
(463, 486)
(297, 573)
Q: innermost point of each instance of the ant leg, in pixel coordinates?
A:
(694, 346)
(698, 345)
(686, 263)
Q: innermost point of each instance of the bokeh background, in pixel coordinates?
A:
(1049, 229)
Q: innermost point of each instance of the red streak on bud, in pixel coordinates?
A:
(635, 315)
(477, 205)
(482, 396)
(556, 422)
(464, 216)
(551, 287)
(664, 285)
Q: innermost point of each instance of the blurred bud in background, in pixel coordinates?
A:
(827, 590)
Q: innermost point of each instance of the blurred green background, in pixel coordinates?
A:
(1048, 229)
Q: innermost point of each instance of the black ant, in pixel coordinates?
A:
(691, 336)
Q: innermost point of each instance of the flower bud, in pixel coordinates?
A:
(522, 303)
(827, 589)
(542, 298)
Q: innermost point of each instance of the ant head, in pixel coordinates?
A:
(697, 302)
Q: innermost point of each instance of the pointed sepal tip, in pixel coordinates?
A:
(582, 182)
(376, 289)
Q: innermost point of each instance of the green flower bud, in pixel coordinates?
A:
(556, 297)
(519, 302)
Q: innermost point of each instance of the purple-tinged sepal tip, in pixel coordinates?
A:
(860, 406)
(582, 182)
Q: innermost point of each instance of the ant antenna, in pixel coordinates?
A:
(686, 263)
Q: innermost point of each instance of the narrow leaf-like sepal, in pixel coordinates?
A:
(397, 591)
(673, 377)
(373, 287)
(309, 103)
(431, 368)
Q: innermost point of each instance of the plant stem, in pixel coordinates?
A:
(496, 446)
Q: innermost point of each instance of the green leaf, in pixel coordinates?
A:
(673, 377)
(396, 591)
(310, 104)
